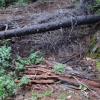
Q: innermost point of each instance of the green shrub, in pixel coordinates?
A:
(5, 57)
(59, 68)
(96, 7)
(34, 58)
(8, 73)
(98, 1)
(24, 81)
(2, 3)
(38, 96)
(22, 2)
(7, 86)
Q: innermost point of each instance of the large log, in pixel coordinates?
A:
(2, 27)
(40, 28)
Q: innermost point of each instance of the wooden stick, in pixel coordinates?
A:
(43, 81)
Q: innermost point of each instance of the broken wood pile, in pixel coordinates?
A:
(44, 75)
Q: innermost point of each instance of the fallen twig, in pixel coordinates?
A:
(43, 81)
(46, 75)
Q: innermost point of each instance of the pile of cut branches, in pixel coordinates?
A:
(41, 74)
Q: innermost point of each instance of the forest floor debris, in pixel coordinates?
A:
(78, 81)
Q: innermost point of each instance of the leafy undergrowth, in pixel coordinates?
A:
(5, 3)
(9, 71)
(59, 68)
(7, 84)
(12, 79)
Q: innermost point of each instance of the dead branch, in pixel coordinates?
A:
(43, 81)
(40, 28)
(44, 76)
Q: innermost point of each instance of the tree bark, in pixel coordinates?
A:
(40, 28)
(2, 27)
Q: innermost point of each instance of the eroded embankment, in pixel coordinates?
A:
(62, 44)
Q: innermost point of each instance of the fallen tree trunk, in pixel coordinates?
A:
(40, 28)
(36, 18)
(2, 27)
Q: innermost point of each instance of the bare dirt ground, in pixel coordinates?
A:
(21, 16)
